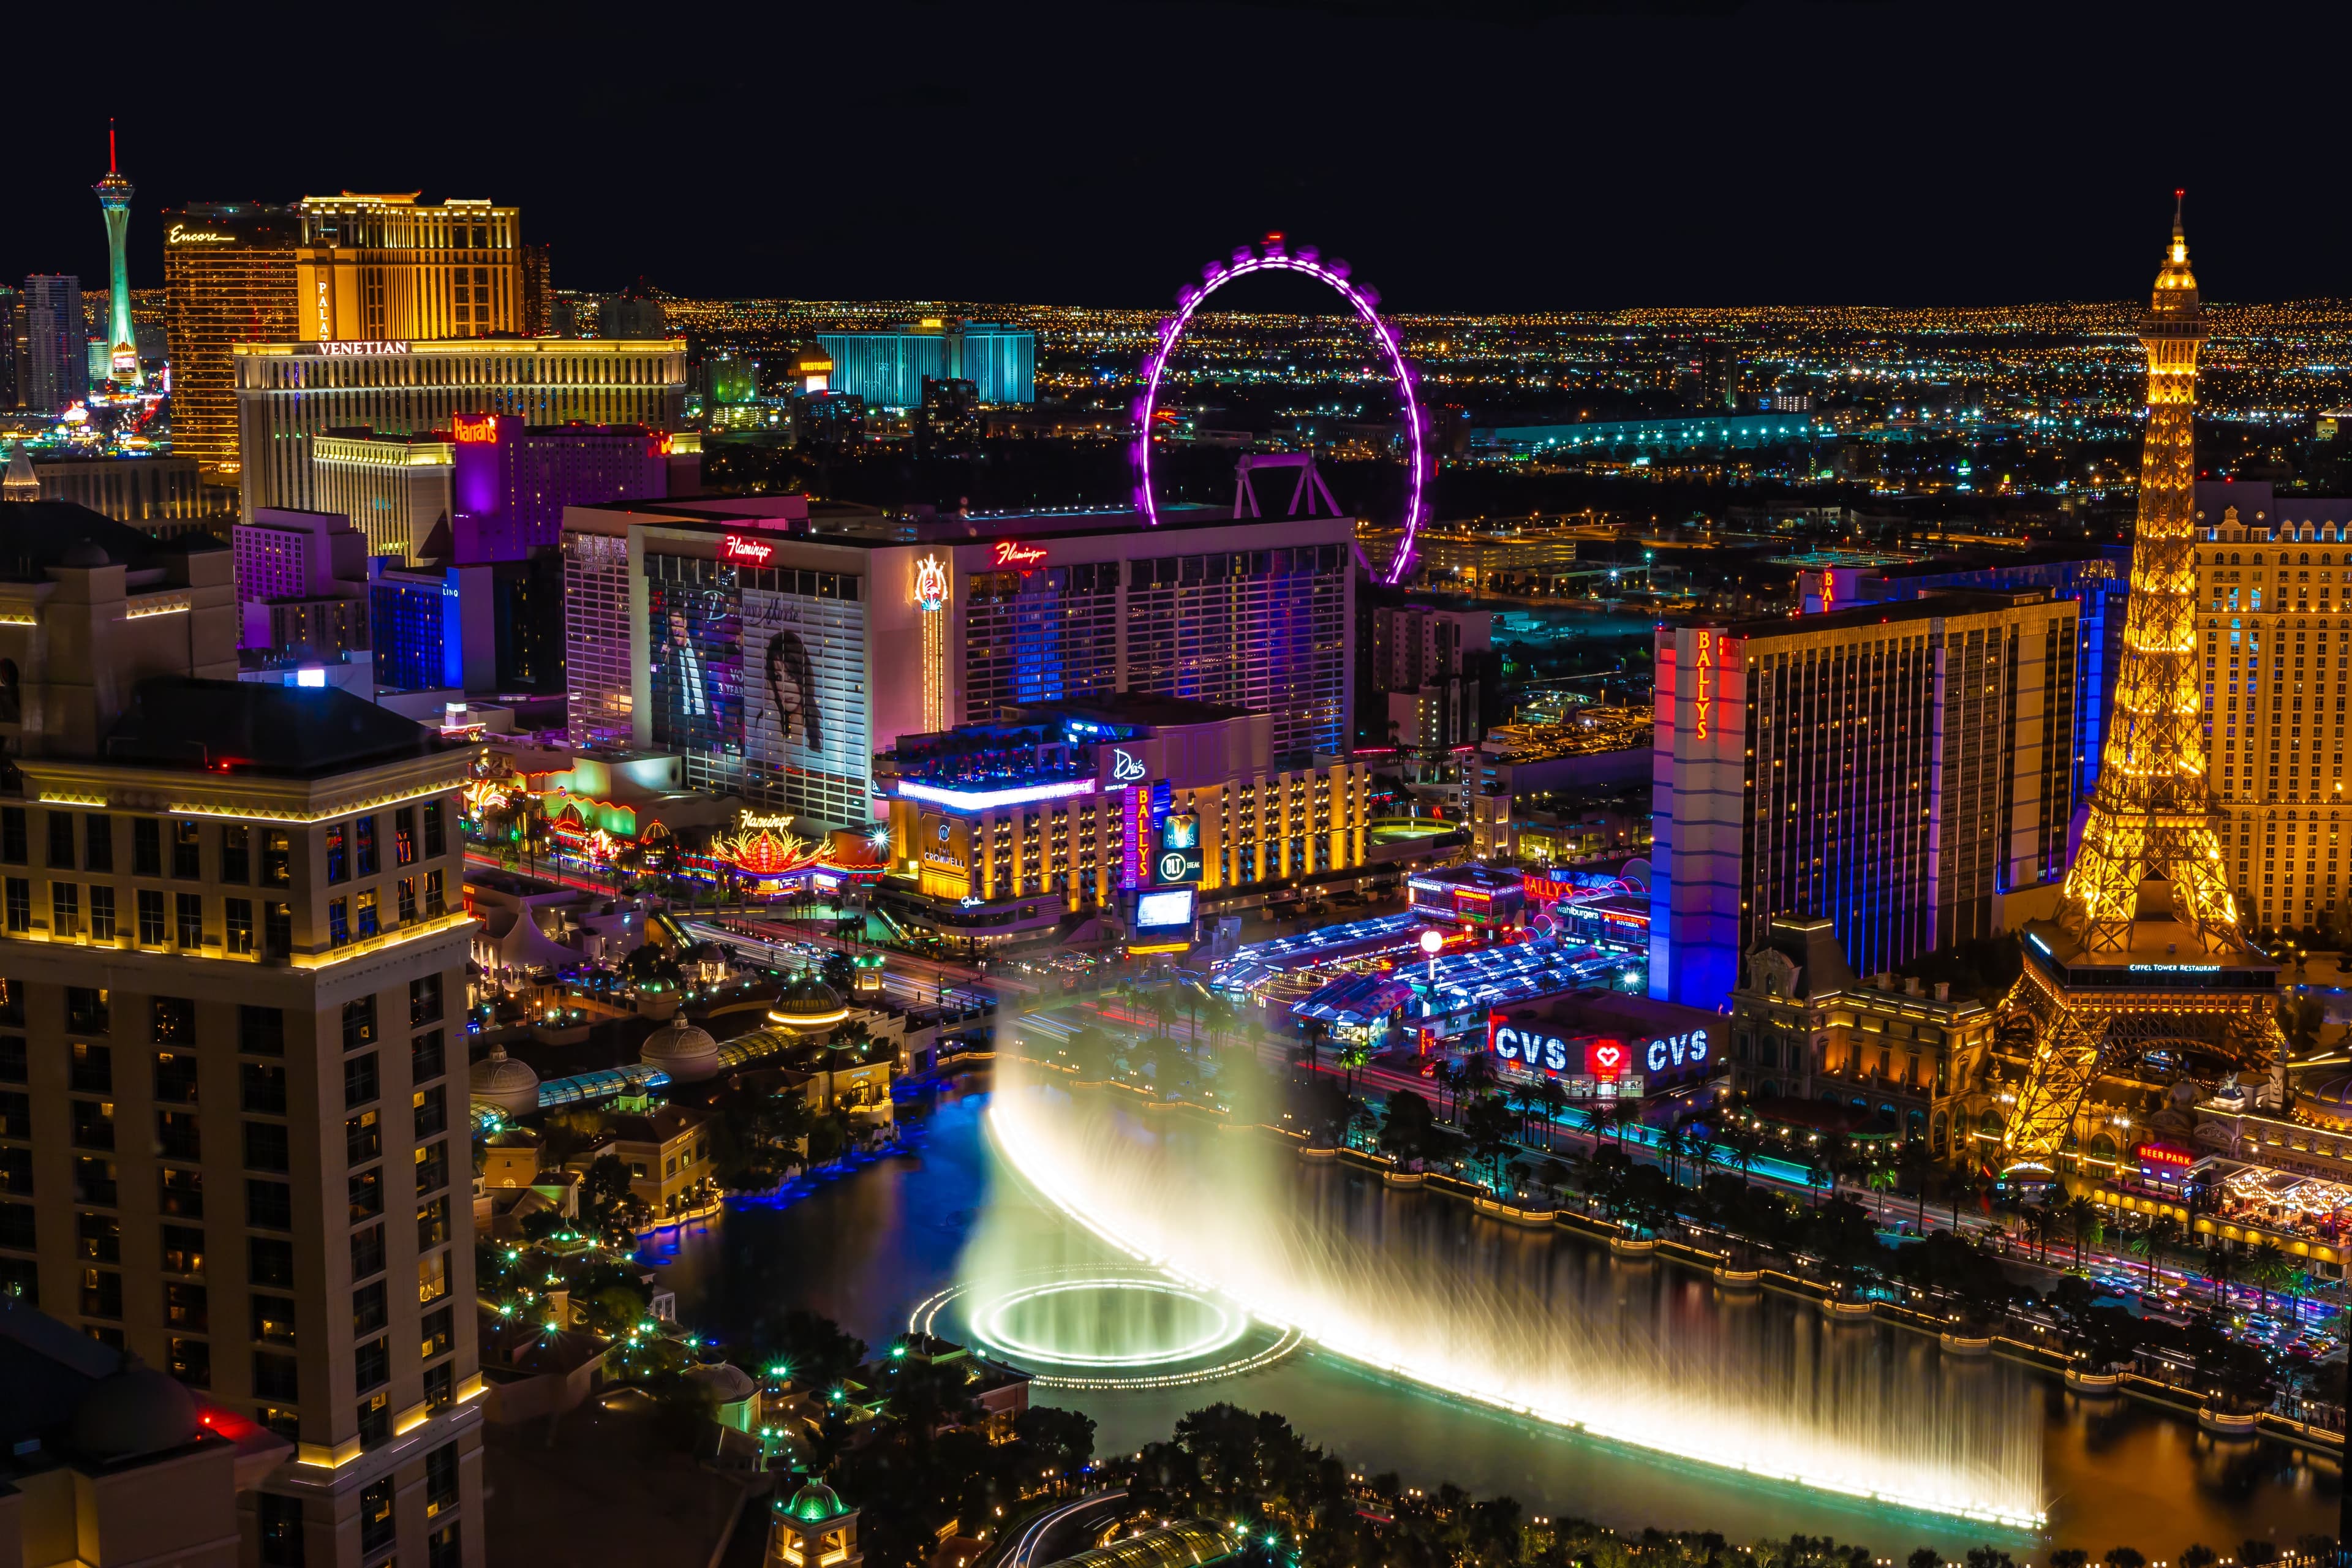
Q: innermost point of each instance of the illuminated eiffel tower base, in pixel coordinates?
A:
(2144, 974)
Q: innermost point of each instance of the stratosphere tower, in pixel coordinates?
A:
(114, 194)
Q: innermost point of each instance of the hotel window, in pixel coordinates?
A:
(150, 918)
(61, 841)
(433, 903)
(20, 904)
(433, 843)
(101, 914)
(276, 858)
(188, 912)
(338, 923)
(359, 1022)
(269, 1206)
(272, 1318)
(407, 900)
(338, 862)
(276, 929)
(87, 1012)
(367, 922)
(65, 908)
(187, 851)
(238, 915)
(12, 834)
(261, 1087)
(404, 836)
(362, 1082)
(97, 842)
(236, 853)
(146, 846)
(363, 842)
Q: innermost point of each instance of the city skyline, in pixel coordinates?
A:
(1746, 157)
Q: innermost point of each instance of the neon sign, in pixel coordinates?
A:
(1604, 1059)
(1705, 654)
(1010, 554)
(1126, 767)
(2168, 1159)
(746, 821)
(735, 547)
(477, 430)
(181, 234)
(1537, 1050)
(1677, 1051)
(353, 350)
(931, 583)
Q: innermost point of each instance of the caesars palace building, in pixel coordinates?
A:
(777, 657)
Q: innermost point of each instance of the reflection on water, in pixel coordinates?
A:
(866, 1249)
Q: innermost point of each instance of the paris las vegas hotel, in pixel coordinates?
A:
(2274, 585)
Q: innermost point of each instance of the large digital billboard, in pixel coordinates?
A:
(804, 706)
(1162, 911)
(695, 637)
(1178, 858)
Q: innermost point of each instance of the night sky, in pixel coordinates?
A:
(1484, 154)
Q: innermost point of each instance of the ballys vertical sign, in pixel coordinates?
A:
(1715, 654)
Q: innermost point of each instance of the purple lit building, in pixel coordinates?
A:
(296, 573)
(509, 481)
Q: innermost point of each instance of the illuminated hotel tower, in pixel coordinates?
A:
(2144, 974)
(114, 194)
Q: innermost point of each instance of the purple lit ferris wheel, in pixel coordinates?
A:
(1273, 256)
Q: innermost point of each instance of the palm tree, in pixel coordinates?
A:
(1916, 1164)
(2083, 1216)
(1882, 1181)
(1554, 1099)
(2266, 1268)
(1311, 1036)
(1353, 1055)
(1737, 1145)
(2219, 1264)
(2160, 1231)
(1674, 1143)
(1163, 1010)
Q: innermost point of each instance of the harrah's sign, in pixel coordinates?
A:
(735, 547)
(475, 430)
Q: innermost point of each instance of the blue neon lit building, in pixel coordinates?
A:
(2098, 579)
(887, 368)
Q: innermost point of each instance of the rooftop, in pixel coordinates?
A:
(221, 726)
(35, 535)
(1957, 602)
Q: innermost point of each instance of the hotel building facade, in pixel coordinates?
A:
(1001, 830)
(2274, 596)
(232, 973)
(290, 394)
(393, 489)
(779, 659)
(1901, 770)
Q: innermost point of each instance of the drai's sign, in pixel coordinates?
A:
(1126, 767)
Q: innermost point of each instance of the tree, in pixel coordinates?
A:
(2219, 1265)
(1164, 1009)
(1882, 1181)
(1917, 1163)
(1054, 1442)
(1487, 1126)
(1924, 1557)
(2087, 1222)
(1554, 1099)
(2264, 1269)
(2154, 1238)
(1736, 1147)
(1353, 1055)
(1404, 1127)
(2123, 1557)
(1311, 1035)
(2069, 1557)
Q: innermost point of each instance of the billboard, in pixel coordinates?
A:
(1164, 911)
(1179, 858)
(804, 708)
(695, 634)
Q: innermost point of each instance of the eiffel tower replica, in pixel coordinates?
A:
(2144, 974)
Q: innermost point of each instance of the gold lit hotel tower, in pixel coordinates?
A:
(2144, 974)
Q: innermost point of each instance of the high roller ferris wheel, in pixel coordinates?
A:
(1274, 255)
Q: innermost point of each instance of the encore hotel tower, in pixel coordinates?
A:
(344, 268)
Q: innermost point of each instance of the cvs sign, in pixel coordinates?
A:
(1533, 1046)
(1677, 1051)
